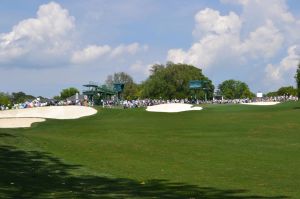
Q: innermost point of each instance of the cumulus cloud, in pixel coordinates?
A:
(93, 53)
(90, 53)
(130, 49)
(277, 73)
(243, 2)
(140, 68)
(204, 52)
(48, 40)
(209, 21)
(217, 35)
(219, 38)
(45, 34)
(265, 41)
(244, 39)
(277, 10)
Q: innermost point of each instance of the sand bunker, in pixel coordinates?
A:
(262, 103)
(25, 117)
(172, 108)
(19, 122)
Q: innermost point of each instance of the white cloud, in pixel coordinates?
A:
(273, 10)
(93, 53)
(276, 74)
(48, 40)
(218, 35)
(243, 2)
(205, 52)
(209, 21)
(244, 40)
(129, 49)
(89, 54)
(265, 41)
(45, 34)
(140, 68)
(267, 9)
(219, 38)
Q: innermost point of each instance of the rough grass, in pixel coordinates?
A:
(224, 151)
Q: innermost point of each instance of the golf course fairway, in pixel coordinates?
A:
(222, 151)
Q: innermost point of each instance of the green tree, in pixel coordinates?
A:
(156, 68)
(119, 77)
(130, 87)
(297, 77)
(288, 90)
(20, 97)
(272, 94)
(131, 91)
(56, 97)
(234, 89)
(172, 81)
(4, 99)
(68, 92)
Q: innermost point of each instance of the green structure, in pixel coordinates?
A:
(96, 93)
(195, 84)
(199, 85)
(118, 88)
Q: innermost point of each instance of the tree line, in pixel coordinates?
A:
(171, 81)
(8, 100)
(167, 81)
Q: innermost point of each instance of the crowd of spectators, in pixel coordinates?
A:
(27, 104)
(142, 103)
(3, 107)
(281, 98)
(41, 103)
(150, 102)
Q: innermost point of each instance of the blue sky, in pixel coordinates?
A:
(49, 45)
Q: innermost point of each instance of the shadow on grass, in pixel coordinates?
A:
(38, 175)
(6, 135)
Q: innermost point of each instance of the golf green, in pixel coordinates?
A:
(223, 151)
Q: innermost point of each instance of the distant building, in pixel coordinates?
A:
(76, 97)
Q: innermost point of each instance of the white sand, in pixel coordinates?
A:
(262, 103)
(19, 122)
(51, 112)
(30, 115)
(172, 108)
